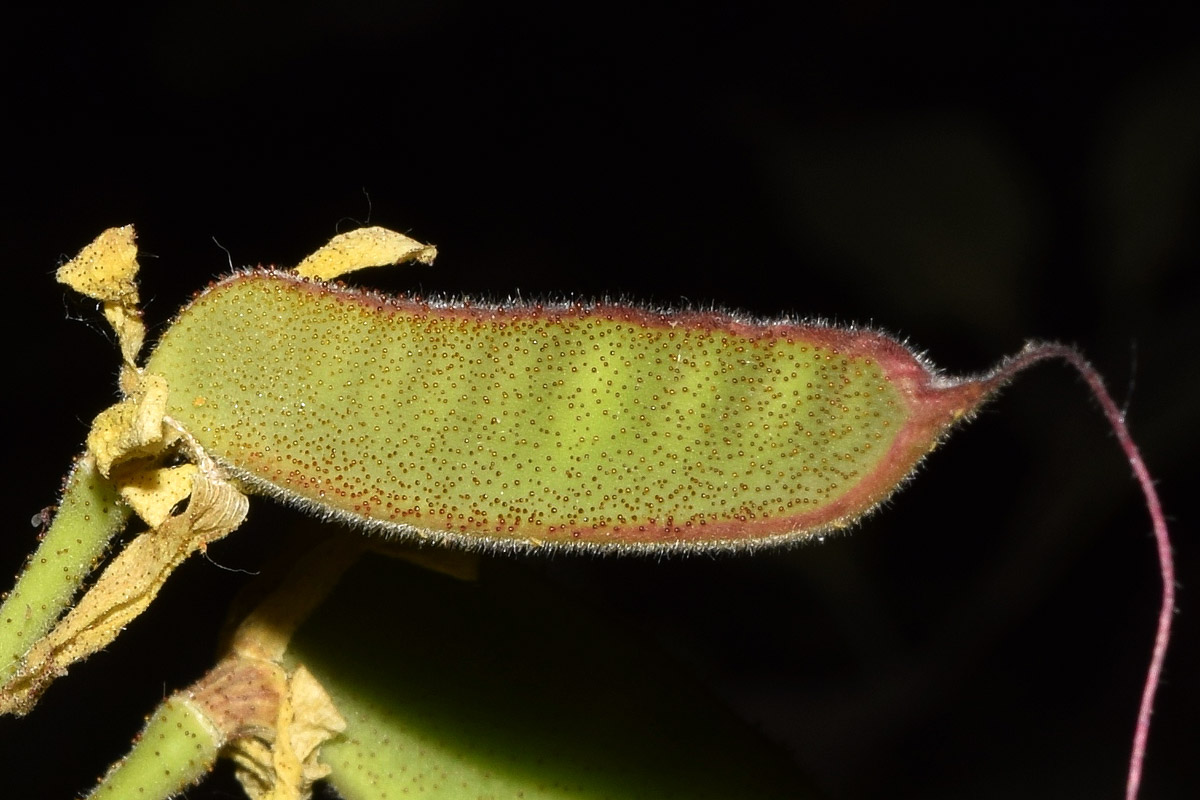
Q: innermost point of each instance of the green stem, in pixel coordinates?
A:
(175, 750)
(89, 515)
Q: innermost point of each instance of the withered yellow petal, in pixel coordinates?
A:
(361, 248)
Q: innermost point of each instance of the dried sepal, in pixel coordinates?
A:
(133, 428)
(283, 762)
(154, 492)
(361, 248)
(106, 270)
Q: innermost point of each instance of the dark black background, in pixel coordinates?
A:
(967, 179)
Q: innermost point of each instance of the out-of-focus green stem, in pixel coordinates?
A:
(90, 513)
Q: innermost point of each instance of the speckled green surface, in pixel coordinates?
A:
(605, 425)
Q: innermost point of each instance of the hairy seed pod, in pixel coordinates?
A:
(594, 427)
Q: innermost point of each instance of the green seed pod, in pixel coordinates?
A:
(595, 427)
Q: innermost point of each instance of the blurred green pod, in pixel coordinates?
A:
(477, 697)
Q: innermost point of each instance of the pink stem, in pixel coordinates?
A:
(1041, 351)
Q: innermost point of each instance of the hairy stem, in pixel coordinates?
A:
(90, 513)
(1042, 351)
(175, 750)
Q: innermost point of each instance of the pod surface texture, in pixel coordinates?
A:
(602, 426)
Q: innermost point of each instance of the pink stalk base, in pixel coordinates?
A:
(1042, 351)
